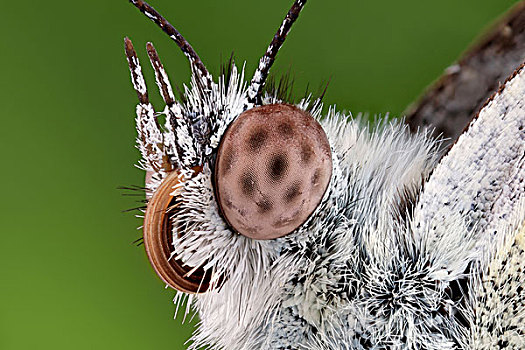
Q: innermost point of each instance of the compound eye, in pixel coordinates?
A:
(273, 167)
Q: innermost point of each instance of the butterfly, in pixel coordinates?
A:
(287, 228)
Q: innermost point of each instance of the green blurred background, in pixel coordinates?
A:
(70, 276)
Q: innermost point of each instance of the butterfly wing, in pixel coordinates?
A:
(475, 198)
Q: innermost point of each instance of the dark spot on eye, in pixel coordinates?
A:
(292, 192)
(257, 139)
(264, 206)
(228, 158)
(277, 167)
(281, 223)
(285, 129)
(227, 199)
(307, 153)
(248, 183)
(316, 177)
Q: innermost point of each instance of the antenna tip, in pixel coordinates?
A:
(150, 47)
(130, 51)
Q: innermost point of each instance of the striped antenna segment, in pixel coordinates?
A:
(195, 61)
(259, 78)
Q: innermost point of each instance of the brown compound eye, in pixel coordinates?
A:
(273, 167)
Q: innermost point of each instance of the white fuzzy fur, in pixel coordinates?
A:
(364, 271)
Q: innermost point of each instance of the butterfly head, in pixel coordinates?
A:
(232, 169)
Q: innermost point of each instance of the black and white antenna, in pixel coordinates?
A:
(259, 78)
(196, 63)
